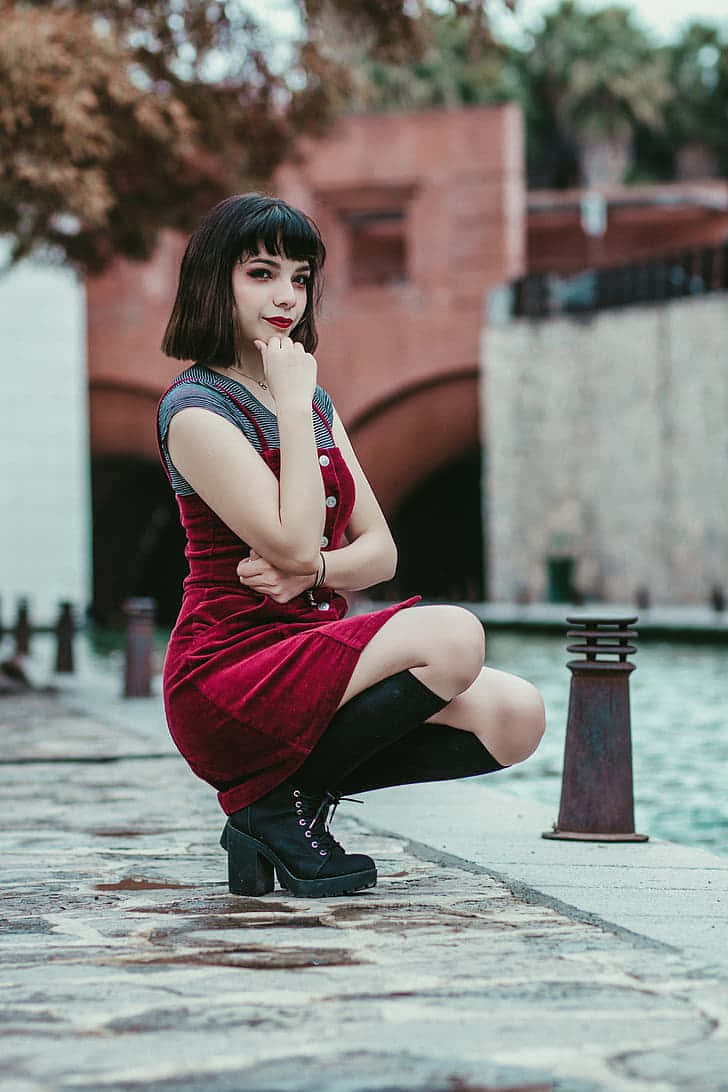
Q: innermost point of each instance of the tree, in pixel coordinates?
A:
(120, 117)
(696, 122)
(459, 63)
(602, 77)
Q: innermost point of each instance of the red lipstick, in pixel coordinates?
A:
(279, 322)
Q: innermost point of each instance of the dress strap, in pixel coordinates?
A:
(322, 415)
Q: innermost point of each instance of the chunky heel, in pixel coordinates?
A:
(249, 873)
(286, 834)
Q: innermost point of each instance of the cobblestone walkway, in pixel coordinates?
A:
(126, 964)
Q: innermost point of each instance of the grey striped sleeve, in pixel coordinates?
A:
(200, 389)
(188, 395)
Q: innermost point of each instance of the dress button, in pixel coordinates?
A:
(331, 502)
(324, 460)
(324, 606)
(324, 540)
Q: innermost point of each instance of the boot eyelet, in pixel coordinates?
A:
(322, 852)
(302, 822)
(315, 845)
(309, 834)
(296, 793)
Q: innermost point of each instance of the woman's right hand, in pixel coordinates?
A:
(290, 371)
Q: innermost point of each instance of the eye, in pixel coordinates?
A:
(259, 274)
(302, 278)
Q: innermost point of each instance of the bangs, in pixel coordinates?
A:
(201, 326)
(285, 232)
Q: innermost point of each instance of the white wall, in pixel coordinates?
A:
(45, 505)
(606, 440)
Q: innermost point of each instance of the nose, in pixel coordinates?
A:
(285, 294)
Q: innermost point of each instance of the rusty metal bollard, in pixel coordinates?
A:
(597, 803)
(64, 638)
(139, 629)
(22, 629)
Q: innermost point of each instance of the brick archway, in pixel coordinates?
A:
(122, 419)
(421, 452)
(403, 440)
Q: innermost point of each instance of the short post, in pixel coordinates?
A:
(139, 630)
(22, 629)
(597, 803)
(64, 638)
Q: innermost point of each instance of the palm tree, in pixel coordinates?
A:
(602, 76)
(697, 117)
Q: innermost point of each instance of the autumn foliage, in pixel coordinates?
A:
(120, 118)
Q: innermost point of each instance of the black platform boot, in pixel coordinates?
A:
(287, 832)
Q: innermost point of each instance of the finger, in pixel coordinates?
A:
(261, 586)
(257, 572)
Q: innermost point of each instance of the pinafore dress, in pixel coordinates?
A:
(249, 684)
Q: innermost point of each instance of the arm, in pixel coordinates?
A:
(369, 558)
(282, 520)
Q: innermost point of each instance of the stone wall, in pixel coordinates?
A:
(605, 440)
(45, 548)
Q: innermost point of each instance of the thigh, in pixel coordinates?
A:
(444, 646)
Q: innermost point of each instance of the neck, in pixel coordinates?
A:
(248, 364)
(248, 372)
(241, 369)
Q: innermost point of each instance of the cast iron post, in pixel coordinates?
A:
(64, 638)
(22, 629)
(139, 629)
(597, 803)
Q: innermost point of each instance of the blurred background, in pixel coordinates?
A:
(524, 325)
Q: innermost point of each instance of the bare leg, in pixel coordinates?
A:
(444, 647)
(505, 712)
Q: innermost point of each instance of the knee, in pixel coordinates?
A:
(463, 637)
(523, 720)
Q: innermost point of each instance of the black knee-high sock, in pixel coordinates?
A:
(430, 752)
(374, 719)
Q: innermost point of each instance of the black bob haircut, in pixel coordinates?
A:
(202, 326)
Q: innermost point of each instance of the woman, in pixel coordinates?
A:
(272, 694)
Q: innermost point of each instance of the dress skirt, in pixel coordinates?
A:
(246, 704)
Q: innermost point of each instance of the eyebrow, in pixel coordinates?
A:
(276, 264)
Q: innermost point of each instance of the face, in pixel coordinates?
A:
(270, 295)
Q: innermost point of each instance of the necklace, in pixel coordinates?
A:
(260, 382)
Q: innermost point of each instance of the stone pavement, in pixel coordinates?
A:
(486, 957)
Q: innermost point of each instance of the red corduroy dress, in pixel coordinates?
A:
(250, 684)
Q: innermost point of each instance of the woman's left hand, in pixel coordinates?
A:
(257, 573)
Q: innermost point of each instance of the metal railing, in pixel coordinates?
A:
(685, 273)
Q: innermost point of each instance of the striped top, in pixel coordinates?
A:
(201, 389)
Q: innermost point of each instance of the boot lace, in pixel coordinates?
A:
(322, 808)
